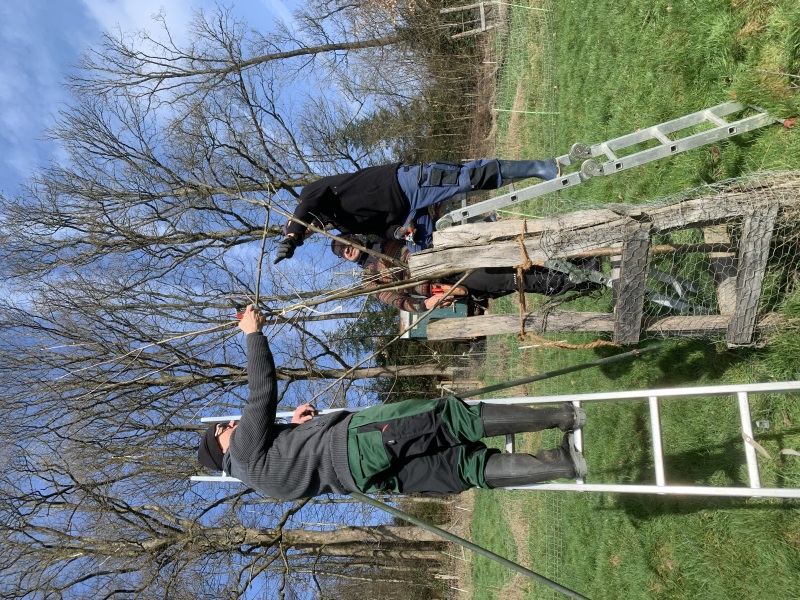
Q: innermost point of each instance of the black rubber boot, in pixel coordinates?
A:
(562, 462)
(514, 170)
(500, 419)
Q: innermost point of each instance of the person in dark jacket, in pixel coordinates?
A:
(482, 284)
(391, 201)
(416, 446)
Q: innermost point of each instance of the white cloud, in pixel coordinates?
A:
(38, 41)
(279, 9)
(41, 39)
(135, 15)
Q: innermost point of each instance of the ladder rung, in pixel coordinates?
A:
(658, 450)
(714, 118)
(578, 437)
(749, 450)
(659, 135)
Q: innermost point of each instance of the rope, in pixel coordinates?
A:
(525, 264)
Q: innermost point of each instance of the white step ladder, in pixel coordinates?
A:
(720, 129)
(742, 393)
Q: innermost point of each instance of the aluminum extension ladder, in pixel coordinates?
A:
(590, 167)
(741, 391)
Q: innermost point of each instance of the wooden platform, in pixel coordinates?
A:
(625, 233)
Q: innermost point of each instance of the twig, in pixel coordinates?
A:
(261, 257)
(397, 337)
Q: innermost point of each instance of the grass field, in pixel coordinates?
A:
(605, 69)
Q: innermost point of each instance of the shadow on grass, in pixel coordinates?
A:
(644, 508)
(719, 465)
(678, 362)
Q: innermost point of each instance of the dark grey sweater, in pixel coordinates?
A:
(285, 461)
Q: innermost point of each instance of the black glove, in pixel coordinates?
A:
(285, 249)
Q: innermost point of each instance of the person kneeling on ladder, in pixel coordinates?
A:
(415, 446)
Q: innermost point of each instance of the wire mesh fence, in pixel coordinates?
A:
(525, 107)
(713, 262)
(716, 262)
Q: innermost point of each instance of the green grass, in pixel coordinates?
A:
(488, 579)
(606, 69)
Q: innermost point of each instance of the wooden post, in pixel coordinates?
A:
(753, 254)
(632, 284)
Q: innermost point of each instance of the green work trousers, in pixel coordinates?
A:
(418, 446)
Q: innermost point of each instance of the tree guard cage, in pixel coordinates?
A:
(710, 262)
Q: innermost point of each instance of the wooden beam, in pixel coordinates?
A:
(475, 246)
(753, 255)
(632, 284)
(586, 322)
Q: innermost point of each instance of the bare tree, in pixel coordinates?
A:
(72, 530)
(121, 266)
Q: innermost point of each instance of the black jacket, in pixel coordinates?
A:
(368, 201)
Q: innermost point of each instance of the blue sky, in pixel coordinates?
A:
(40, 41)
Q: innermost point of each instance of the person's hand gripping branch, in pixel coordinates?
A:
(304, 413)
(252, 321)
(439, 290)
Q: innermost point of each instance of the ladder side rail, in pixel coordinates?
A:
(716, 390)
(655, 432)
(672, 126)
(215, 478)
(507, 199)
(687, 143)
(279, 415)
(726, 108)
(670, 490)
(749, 450)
